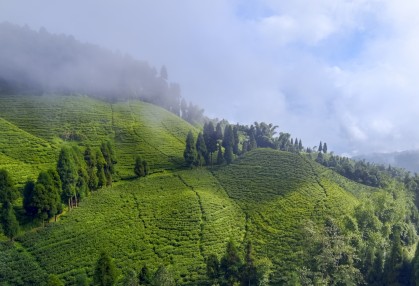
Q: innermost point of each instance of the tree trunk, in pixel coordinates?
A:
(69, 205)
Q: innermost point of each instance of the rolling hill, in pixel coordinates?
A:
(177, 217)
(33, 129)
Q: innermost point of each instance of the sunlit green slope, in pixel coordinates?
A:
(179, 218)
(33, 129)
(165, 219)
(281, 193)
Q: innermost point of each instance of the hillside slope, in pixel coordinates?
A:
(279, 201)
(178, 218)
(280, 193)
(33, 129)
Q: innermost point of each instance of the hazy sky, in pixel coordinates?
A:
(345, 72)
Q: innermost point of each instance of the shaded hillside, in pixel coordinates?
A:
(35, 127)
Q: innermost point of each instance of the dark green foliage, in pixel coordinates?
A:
(109, 157)
(220, 157)
(190, 152)
(8, 192)
(141, 168)
(283, 141)
(130, 279)
(228, 154)
(320, 158)
(324, 148)
(264, 134)
(228, 139)
(81, 280)
(100, 165)
(245, 147)
(105, 272)
(67, 169)
(9, 221)
(415, 267)
(320, 149)
(28, 192)
(252, 139)
(43, 199)
(375, 275)
(393, 266)
(163, 277)
(201, 150)
(331, 257)
(249, 273)
(228, 143)
(53, 280)
(230, 264)
(210, 139)
(91, 163)
(213, 268)
(144, 277)
(82, 187)
(236, 138)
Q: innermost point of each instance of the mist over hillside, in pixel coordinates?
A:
(38, 62)
(408, 160)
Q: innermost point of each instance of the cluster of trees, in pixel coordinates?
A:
(106, 274)
(228, 141)
(8, 194)
(200, 152)
(359, 171)
(231, 270)
(141, 168)
(76, 174)
(335, 258)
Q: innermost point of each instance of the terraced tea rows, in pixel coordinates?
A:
(155, 220)
(52, 117)
(33, 129)
(222, 218)
(280, 192)
(143, 129)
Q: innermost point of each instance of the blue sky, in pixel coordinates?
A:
(340, 71)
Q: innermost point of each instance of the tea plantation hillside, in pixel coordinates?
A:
(157, 220)
(305, 222)
(178, 218)
(280, 193)
(33, 129)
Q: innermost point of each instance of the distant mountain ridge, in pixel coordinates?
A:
(408, 160)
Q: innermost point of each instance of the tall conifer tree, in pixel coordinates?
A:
(190, 152)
